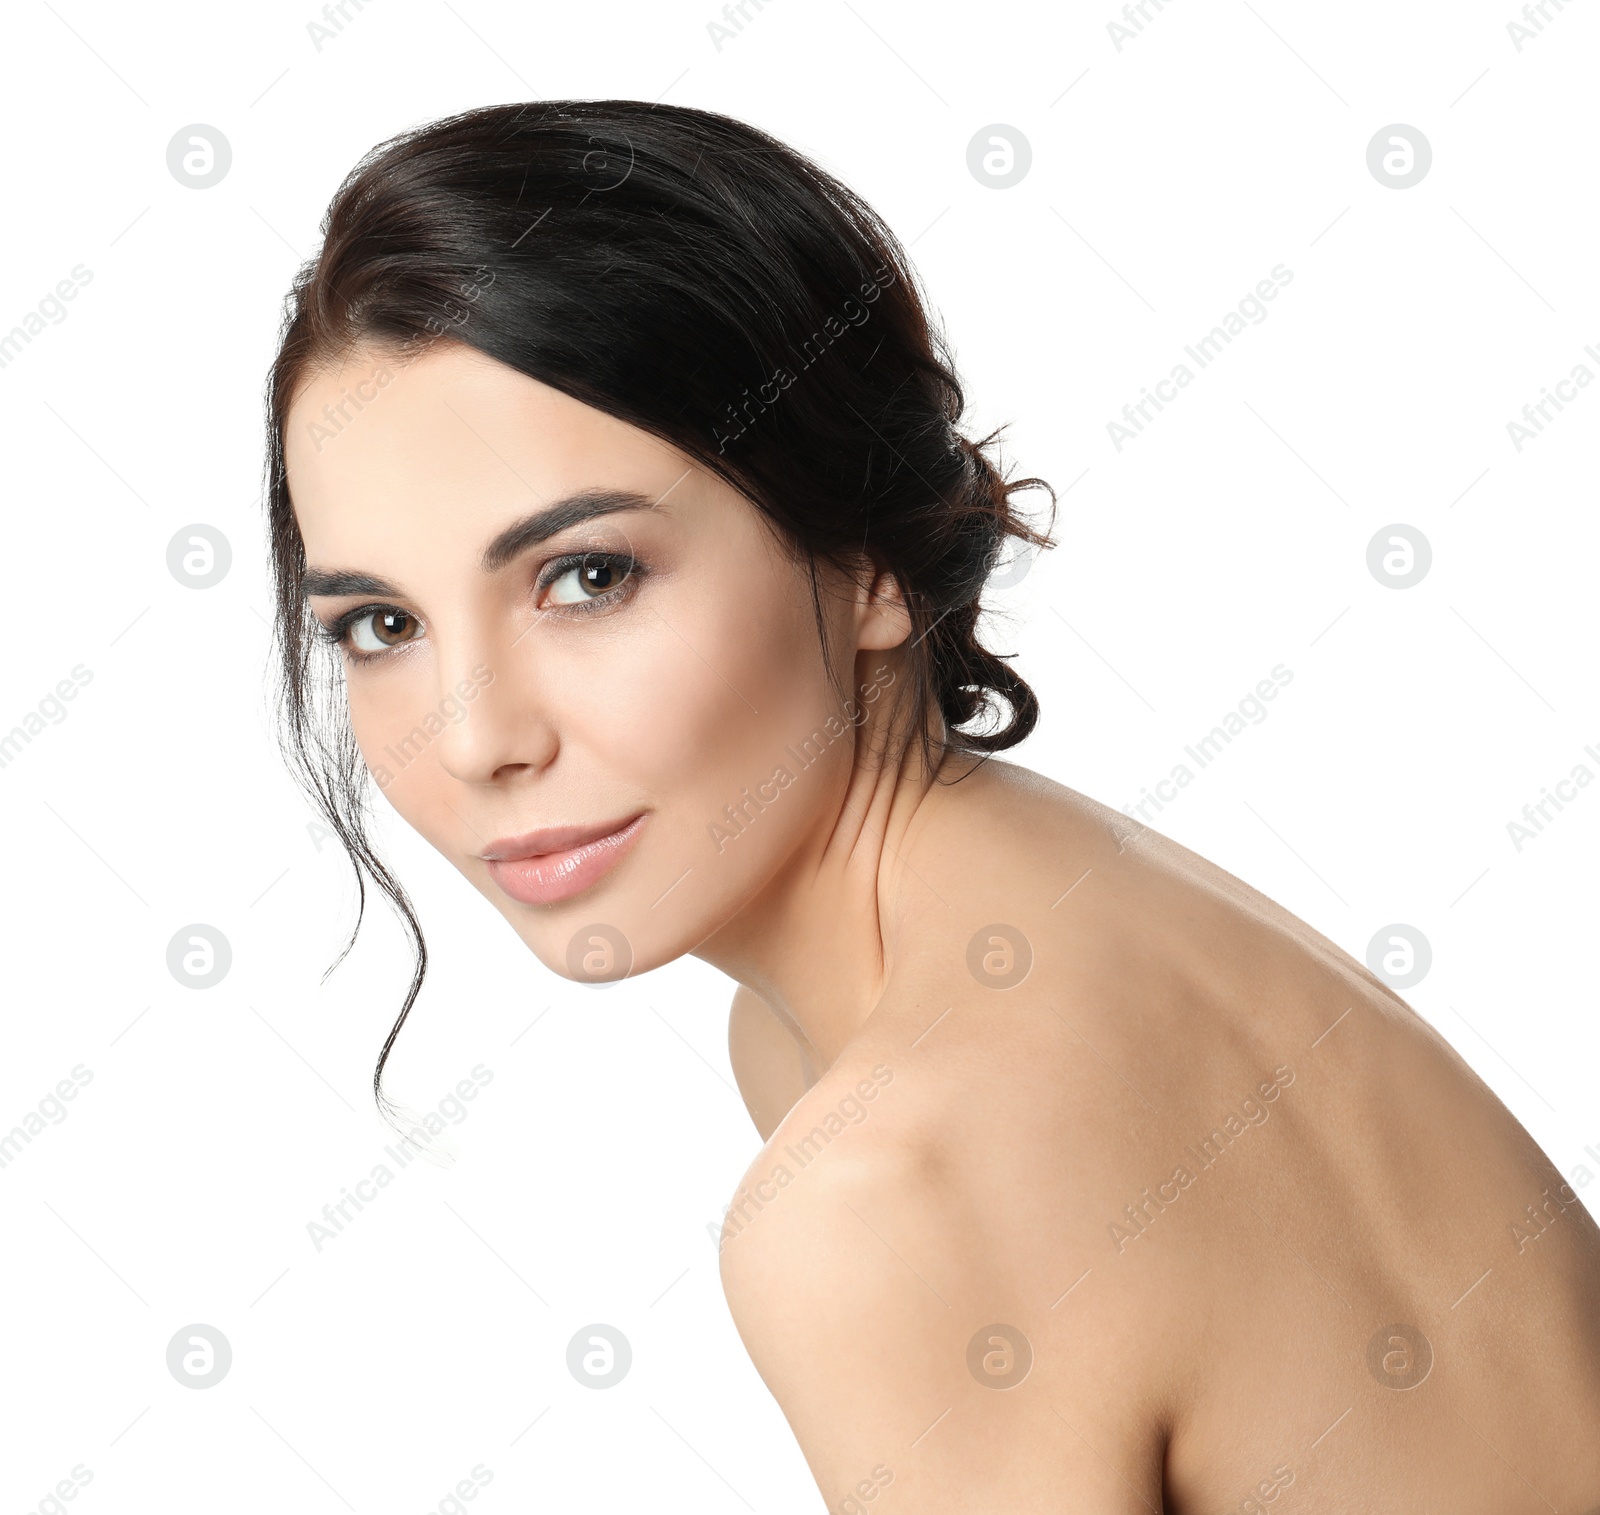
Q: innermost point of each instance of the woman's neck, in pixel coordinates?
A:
(817, 943)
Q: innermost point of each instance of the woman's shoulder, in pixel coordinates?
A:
(1028, 892)
(1117, 1120)
(891, 1259)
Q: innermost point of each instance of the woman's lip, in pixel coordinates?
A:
(547, 877)
(551, 839)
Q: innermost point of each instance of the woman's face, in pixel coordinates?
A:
(559, 624)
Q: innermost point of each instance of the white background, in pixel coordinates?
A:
(1167, 178)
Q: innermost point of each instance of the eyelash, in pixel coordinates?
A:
(558, 568)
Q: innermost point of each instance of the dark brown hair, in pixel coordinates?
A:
(695, 277)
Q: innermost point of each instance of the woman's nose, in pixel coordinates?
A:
(496, 726)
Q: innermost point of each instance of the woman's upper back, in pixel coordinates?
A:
(1133, 1185)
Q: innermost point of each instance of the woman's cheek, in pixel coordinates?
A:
(719, 694)
(629, 688)
(399, 752)
(372, 727)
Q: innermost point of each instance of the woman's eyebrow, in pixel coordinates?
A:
(516, 538)
(342, 581)
(546, 522)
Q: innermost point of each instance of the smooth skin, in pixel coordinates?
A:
(1170, 1223)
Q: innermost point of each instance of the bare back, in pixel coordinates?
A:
(1251, 1232)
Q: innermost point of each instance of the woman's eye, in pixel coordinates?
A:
(378, 630)
(590, 579)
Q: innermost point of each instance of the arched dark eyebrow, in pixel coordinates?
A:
(535, 528)
(516, 538)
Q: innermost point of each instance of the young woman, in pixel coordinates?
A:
(614, 451)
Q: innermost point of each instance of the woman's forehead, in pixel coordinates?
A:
(457, 435)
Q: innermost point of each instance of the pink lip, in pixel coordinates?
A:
(559, 862)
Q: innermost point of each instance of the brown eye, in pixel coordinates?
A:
(588, 579)
(378, 630)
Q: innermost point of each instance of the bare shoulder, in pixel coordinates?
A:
(1220, 1127)
(1117, 1120)
(893, 1283)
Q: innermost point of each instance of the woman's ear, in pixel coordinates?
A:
(883, 619)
